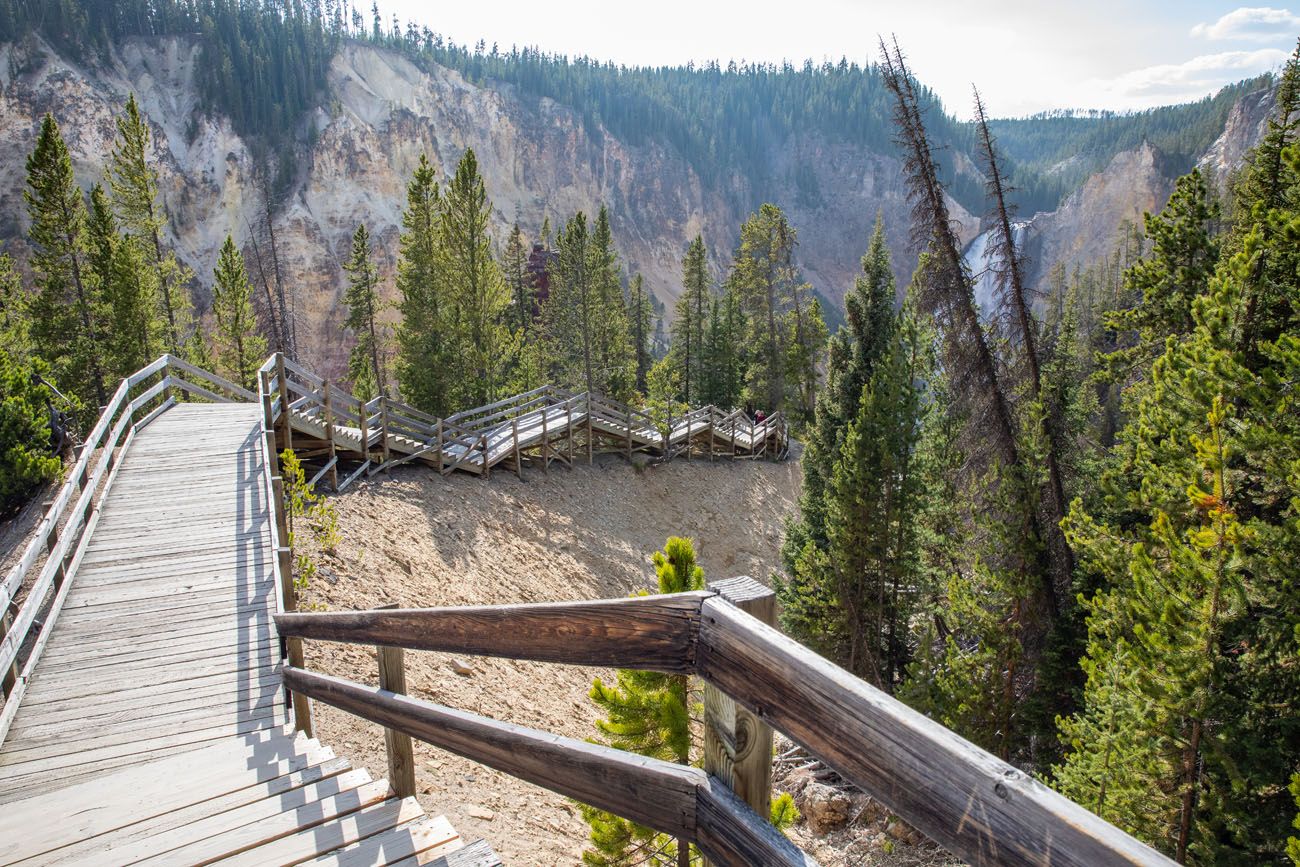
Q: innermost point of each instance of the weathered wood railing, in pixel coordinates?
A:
(63, 531)
(383, 433)
(975, 805)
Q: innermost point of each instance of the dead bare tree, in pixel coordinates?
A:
(1016, 306)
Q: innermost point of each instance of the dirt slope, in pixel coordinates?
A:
(582, 533)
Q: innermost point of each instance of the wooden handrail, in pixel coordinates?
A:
(654, 633)
(107, 441)
(979, 807)
(675, 799)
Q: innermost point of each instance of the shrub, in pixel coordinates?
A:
(26, 461)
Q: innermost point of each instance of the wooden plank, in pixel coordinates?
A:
(53, 706)
(397, 746)
(23, 733)
(345, 830)
(731, 834)
(975, 805)
(476, 854)
(153, 824)
(19, 762)
(737, 744)
(132, 796)
(202, 845)
(407, 841)
(654, 793)
(647, 632)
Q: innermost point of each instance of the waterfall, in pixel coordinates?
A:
(980, 260)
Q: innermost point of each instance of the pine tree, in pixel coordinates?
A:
(615, 371)
(569, 312)
(514, 264)
(15, 315)
(365, 367)
(476, 300)
(640, 313)
(68, 311)
(422, 368)
(135, 192)
(127, 288)
(647, 713)
(1190, 553)
(785, 334)
(848, 595)
(240, 349)
(689, 327)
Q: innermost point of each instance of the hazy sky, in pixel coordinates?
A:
(1025, 56)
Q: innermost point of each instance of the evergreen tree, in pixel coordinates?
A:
(615, 369)
(1194, 613)
(641, 318)
(365, 367)
(15, 312)
(515, 266)
(68, 311)
(422, 369)
(647, 713)
(26, 461)
(724, 350)
(849, 596)
(1165, 283)
(240, 349)
(127, 287)
(569, 312)
(135, 192)
(785, 334)
(475, 299)
(689, 327)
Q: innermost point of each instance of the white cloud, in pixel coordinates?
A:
(1180, 82)
(1255, 23)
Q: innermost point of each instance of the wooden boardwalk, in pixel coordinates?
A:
(154, 726)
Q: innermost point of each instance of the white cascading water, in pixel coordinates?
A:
(979, 259)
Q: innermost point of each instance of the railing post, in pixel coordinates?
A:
(383, 429)
(737, 745)
(401, 756)
(11, 674)
(590, 444)
(329, 435)
(285, 413)
(546, 447)
(438, 431)
(629, 433)
(568, 425)
(487, 466)
(514, 432)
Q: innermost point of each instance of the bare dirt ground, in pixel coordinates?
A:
(589, 532)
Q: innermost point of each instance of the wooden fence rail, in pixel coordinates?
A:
(31, 607)
(978, 807)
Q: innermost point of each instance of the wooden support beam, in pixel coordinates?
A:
(590, 442)
(737, 744)
(514, 435)
(671, 798)
(383, 430)
(629, 434)
(440, 445)
(11, 673)
(332, 466)
(978, 807)
(652, 633)
(283, 382)
(546, 448)
(401, 757)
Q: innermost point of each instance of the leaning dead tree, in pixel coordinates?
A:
(947, 293)
(1016, 314)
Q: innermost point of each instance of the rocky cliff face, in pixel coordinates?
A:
(538, 158)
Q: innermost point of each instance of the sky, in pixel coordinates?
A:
(1025, 56)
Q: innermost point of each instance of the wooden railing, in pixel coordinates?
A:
(384, 433)
(32, 598)
(975, 805)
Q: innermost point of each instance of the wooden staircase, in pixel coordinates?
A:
(270, 799)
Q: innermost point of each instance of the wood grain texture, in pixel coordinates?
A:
(975, 805)
(654, 633)
(655, 793)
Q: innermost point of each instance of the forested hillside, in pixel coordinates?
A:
(264, 66)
